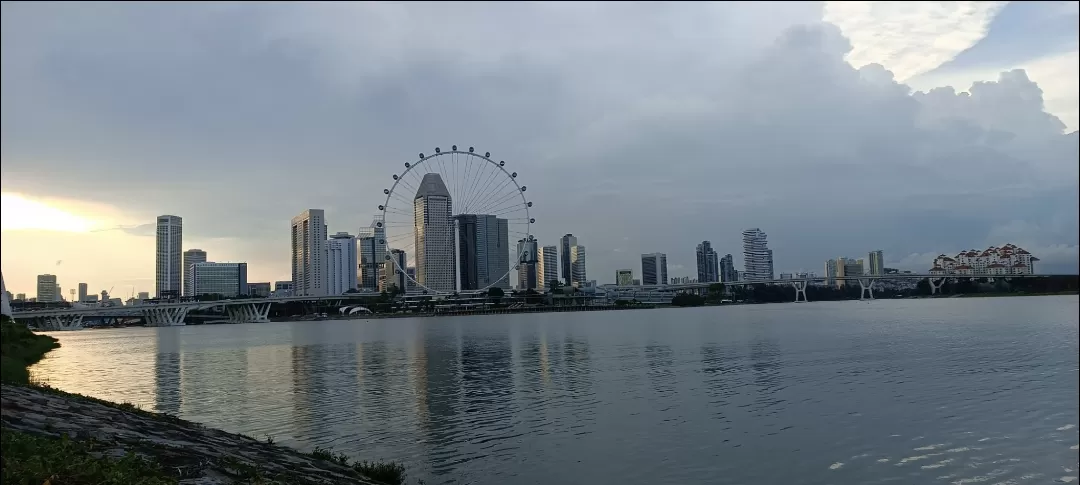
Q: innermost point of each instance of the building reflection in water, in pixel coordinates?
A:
(213, 383)
(660, 360)
(167, 362)
(325, 394)
(765, 366)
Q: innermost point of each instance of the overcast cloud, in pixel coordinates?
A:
(638, 127)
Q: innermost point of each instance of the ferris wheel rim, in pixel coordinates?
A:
(409, 166)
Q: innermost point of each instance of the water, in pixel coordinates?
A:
(981, 390)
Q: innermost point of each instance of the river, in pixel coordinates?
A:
(962, 390)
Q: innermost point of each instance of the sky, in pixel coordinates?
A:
(838, 128)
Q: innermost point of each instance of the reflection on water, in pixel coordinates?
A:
(942, 391)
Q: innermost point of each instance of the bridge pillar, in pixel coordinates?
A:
(248, 313)
(800, 289)
(164, 317)
(62, 322)
(866, 289)
(935, 286)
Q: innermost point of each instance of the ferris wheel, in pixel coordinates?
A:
(455, 221)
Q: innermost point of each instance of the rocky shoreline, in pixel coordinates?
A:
(186, 452)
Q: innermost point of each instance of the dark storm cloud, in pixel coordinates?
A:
(639, 127)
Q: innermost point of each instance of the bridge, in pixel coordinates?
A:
(866, 283)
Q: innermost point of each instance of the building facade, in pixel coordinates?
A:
(624, 277)
(191, 256)
(577, 266)
(371, 243)
(530, 272)
(259, 290)
(395, 274)
(341, 264)
(708, 264)
(283, 288)
(727, 269)
(565, 262)
(47, 288)
(433, 228)
(83, 292)
(877, 263)
(757, 257)
(549, 266)
(1006, 260)
(654, 269)
(225, 279)
(168, 272)
(309, 268)
(483, 251)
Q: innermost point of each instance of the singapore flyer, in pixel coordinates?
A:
(455, 221)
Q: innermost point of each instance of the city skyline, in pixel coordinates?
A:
(917, 185)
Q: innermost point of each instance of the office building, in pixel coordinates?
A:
(483, 251)
(20, 296)
(529, 270)
(83, 288)
(259, 290)
(624, 277)
(433, 228)
(845, 268)
(308, 239)
(395, 273)
(568, 241)
(577, 266)
(831, 272)
(549, 266)
(727, 269)
(191, 256)
(371, 246)
(708, 264)
(341, 264)
(168, 270)
(757, 257)
(46, 288)
(283, 288)
(654, 269)
(877, 263)
(143, 295)
(225, 279)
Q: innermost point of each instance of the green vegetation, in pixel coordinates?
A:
(19, 349)
(390, 473)
(34, 460)
(687, 299)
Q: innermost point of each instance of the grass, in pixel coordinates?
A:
(34, 460)
(388, 472)
(19, 349)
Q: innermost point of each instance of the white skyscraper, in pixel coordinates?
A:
(756, 256)
(191, 256)
(548, 266)
(168, 269)
(433, 228)
(341, 263)
(577, 266)
(309, 253)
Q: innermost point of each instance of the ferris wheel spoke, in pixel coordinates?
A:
(511, 210)
(499, 188)
(470, 186)
(480, 183)
(483, 187)
(498, 203)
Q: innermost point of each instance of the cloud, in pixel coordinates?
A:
(145, 230)
(644, 127)
(911, 38)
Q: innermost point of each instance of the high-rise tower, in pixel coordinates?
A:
(309, 268)
(167, 265)
(757, 256)
(433, 228)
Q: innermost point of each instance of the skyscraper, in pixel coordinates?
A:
(654, 269)
(624, 277)
(191, 256)
(83, 288)
(394, 277)
(568, 241)
(483, 251)
(756, 256)
(549, 266)
(225, 279)
(341, 263)
(167, 268)
(433, 227)
(46, 288)
(530, 271)
(877, 263)
(577, 265)
(708, 266)
(727, 269)
(371, 242)
(309, 253)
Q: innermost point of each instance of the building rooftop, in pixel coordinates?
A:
(432, 185)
